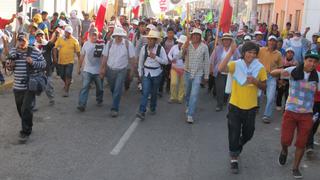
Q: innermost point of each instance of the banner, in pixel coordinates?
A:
(101, 15)
(226, 15)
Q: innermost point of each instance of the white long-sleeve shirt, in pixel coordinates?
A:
(155, 64)
(175, 54)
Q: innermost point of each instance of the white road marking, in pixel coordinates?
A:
(125, 137)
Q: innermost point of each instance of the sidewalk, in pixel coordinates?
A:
(7, 86)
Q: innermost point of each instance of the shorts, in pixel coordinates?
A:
(65, 71)
(292, 121)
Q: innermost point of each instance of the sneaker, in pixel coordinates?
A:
(171, 101)
(81, 108)
(190, 120)
(266, 120)
(309, 151)
(218, 109)
(297, 174)
(152, 112)
(65, 94)
(99, 104)
(23, 137)
(141, 115)
(234, 167)
(51, 102)
(282, 158)
(114, 113)
(278, 108)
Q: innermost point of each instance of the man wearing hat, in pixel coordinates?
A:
(197, 65)
(218, 55)
(177, 72)
(259, 39)
(67, 46)
(46, 48)
(303, 83)
(271, 58)
(90, 63)
(27, 58)
(282, 84)
(118, 56)
(151, 57)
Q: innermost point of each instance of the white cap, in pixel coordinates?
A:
(62, 23)
(196, 31)
(118, 31)
(151, 27)
(135, 22)
(290, 49)
(272, 37)
(111, 24)
(247, 38)
(182, 39)
(68, 29)
(258, 33)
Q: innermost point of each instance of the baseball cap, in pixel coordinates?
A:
(312, 54)
(39, 31)
(272, 37)
(68, 29)
(289, 49)
(247, 38)
(318, 40)
(22, 36)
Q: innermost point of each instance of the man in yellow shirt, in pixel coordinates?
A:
(286, 31)
(248, 76)
(271, 58)
(67, 46)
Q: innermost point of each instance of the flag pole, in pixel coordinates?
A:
(218, 28)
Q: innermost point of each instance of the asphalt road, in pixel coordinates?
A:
(69, 145)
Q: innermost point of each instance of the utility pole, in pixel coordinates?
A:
(253, 18)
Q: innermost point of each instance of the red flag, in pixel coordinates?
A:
(29, 1)
(226, 15)
(101, 15)
(135, 11)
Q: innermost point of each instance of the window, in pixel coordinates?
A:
(297, 20)
(277, 16)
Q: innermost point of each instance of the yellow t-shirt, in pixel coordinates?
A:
(270, 60)
(67, 48)
(245, 97)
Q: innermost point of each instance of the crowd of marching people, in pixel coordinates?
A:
(239, 68)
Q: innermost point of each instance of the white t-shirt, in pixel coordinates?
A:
(306, 75)
(91, 64)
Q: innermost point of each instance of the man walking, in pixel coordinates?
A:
(151, 57)
(67, 46)
(196, 56)
(90, 63)
(118, 54)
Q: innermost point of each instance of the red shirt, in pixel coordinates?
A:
(317, 95)
(4, 23)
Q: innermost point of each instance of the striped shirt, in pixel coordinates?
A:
(20, 69)
(197, 60)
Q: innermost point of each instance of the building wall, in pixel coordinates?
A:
(311, 17)
(288, 11)
(8, 7)
(265, 12)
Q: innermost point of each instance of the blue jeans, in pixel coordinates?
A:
(116, 80)
(271, 92)
(87, 78)
(150, 85)
(192, 87)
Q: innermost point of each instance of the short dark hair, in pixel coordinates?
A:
(248, 46)
(44, 13)
(55, 14)
(288, 24)
(170, 29)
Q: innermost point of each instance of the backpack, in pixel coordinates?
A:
(146, 56)
(111, 42)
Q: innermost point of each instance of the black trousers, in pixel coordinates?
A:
(24, 100)
(241, 126)
(220, 82)
(165, 78)
(211, 85)
(316, 109)
(283, 90)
